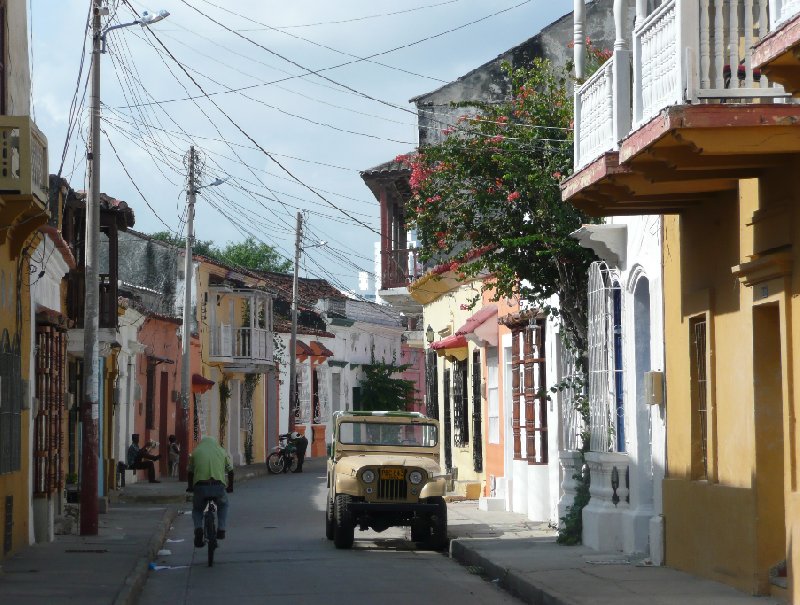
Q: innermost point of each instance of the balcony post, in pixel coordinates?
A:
(579, 39)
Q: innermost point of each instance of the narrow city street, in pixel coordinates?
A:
(276, 551)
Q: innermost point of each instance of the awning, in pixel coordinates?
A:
(452, 346)
(302, 350)
(201, 384)
(480, 329)
(320, 349)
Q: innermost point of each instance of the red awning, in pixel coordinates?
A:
(451, 342)
(479, 328)
(320, 349)
(301, 348)
(452, 346)
(478, 319)
(201, 384)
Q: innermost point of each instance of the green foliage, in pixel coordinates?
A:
(201, 247)
(487, 198)
(250, 254)
(380, 390)
(254, 255)
(571, 528)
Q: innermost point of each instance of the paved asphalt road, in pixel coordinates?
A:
(276, 552)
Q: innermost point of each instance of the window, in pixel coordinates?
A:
(493, 396)
(432, 384)
(477, 428)
(460, 405)
(10, 403)
(699, 386)
(606, 404)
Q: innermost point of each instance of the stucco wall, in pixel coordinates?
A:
(732, 527)
(488, 83)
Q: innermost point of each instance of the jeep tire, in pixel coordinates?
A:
(438, 540)
(343, 527)
(329, 520)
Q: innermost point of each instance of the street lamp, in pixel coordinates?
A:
(91, 323)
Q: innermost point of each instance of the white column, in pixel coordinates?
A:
(579, 38)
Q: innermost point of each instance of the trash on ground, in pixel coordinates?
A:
(170, 540)
(164, 552)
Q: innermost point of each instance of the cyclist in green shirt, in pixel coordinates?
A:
(209, 468)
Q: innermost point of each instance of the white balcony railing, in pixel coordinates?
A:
(594, 109)
(253, 344)
(222, 341)
(783, 10)
(699, 50)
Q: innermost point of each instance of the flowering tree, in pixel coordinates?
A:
(486, 200)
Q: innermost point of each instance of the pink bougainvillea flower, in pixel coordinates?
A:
(513, 196)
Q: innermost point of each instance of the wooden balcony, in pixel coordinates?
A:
(23, 180)
(400, 267)
(76, 291)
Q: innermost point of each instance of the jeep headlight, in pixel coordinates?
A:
(415, 477)
(368, 476)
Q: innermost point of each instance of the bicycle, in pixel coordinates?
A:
(210, 527)
(283, 457)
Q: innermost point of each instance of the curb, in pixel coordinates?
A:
(507, 579)
(134, 582)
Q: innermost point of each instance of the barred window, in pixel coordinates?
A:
(460, 405)
(10, 403)
(477, 428)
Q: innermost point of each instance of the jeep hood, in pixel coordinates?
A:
(355, 462)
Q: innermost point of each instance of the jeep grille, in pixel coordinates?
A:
(392, 489)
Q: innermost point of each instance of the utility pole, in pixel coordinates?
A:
(186, 385)
(294, 401)
(91, 311)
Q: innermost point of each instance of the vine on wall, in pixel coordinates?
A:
(250, 383)
(224, 396)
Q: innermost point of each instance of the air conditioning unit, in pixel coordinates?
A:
(654, 388)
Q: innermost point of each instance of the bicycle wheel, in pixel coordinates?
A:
(210, 524)
(275, 463)
(293, 462)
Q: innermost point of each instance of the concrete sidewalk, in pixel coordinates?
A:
(523, 557)
(109, 568)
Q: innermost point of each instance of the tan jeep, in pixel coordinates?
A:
(383, 471)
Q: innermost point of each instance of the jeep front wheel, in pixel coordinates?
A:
(343, 527)
(438, 539)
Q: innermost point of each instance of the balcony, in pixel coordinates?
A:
(23, 179)
(240, 330)
(683, 52)
(701, 113)
(399, 268)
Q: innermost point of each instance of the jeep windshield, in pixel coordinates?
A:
(379, 433)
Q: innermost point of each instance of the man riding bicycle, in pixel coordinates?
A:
(209, 468)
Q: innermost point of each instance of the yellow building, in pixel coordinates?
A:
(234, 315)
(706, 146)
(23, 208)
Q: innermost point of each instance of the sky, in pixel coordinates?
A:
(233, 78)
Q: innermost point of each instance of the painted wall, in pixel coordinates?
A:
(735, 525)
